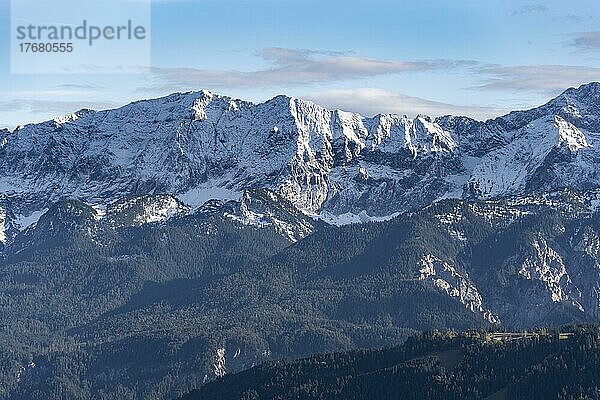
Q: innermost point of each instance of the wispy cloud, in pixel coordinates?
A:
(371, 101)
(78, 86)
(573, 17)
(537, 78)
(586, 40)
(49, 93)
(52, 107)
(294, 67)
(530, 9)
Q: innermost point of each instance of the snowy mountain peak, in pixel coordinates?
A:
(583, 96)
(579, 106)
(73, 116)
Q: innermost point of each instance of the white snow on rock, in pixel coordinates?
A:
(24, 222)
(509, 169)
(219, 364)
(351, 218)
(547, 266)
(451, 222)
(141, 210)
(200, 195)
(589, 243)
(265, 208)
(455, 284)
(3, 226)
(570, 135)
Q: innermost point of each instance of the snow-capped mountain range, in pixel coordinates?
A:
(338, 165)
(165, 243)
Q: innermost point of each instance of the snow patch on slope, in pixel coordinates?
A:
(196, 197)
(25, 221)
(570, 135)
(351, 218)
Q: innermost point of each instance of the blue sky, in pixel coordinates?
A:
(476, 58)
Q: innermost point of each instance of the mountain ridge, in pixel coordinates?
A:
(198, 145)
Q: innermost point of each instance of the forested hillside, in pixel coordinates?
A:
(544, 364)
(105, 308)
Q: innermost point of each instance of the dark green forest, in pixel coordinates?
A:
(543, 364)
